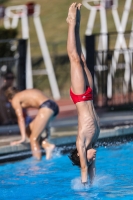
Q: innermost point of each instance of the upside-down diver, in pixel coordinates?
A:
(81, 93)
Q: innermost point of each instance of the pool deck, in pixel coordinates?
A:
(64, 129)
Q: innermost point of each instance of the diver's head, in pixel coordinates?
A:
(90, 157)
(74, 157)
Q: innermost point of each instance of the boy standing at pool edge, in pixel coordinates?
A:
(47, 110)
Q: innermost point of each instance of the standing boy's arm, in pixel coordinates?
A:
(21, 122)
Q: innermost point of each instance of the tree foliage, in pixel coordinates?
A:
(5, 46)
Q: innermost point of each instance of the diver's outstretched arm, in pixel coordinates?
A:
(83, 161)
(91, 171)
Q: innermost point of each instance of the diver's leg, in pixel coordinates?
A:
(36, 127)
(87, 74)
(74, 49)
(89, 81)
(79, 69)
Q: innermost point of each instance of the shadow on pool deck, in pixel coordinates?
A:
(64, 130)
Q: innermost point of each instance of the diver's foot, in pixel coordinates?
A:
(78, 14)
(72, 12)
(91, 154)
(48, 148)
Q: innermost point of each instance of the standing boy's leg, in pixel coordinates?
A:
(36, 127)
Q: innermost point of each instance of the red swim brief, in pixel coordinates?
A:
(87, 95)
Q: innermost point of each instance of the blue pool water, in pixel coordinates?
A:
(57, 179)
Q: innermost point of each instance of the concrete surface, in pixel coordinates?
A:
(64, 130)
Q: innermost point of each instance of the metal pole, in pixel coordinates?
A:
(25, 35)
(46, 58)
(21, 72)
(21, 13)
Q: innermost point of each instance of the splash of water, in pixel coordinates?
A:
(56, 153)
(77, 185)
(100, 181)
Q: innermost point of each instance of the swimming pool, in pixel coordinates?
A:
(57, 179)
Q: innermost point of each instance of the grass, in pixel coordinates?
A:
(53, 18)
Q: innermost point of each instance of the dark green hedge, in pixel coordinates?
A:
(3, 1)
(5, 47)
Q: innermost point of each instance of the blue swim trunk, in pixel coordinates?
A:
(51, 105)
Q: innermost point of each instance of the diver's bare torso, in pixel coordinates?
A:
(88, 123)
(30, 98)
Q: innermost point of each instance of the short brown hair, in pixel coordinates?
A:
(10, 92)
(74, 157)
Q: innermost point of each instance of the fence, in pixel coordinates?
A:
(120, 83)
(13, 57)
(112, 70)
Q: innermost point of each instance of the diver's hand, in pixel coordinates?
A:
(84, 183)
(91, 155)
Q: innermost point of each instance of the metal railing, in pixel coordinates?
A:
(113, 84)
